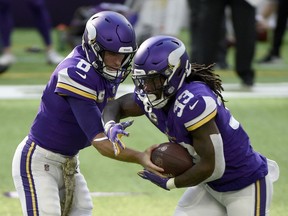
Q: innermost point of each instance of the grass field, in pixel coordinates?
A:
(265, 119)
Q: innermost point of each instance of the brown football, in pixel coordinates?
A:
(173, 158)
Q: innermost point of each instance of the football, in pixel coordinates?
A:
(173, 158)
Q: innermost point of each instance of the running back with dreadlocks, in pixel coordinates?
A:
(206, 74)
(189, 109)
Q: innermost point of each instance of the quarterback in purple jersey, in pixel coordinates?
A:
(45, 165)
(184, 101)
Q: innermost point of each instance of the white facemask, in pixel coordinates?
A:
(151, 100)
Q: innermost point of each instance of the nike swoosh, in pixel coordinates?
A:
(193, 106)
(81, 75)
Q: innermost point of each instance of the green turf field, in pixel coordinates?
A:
(264, 119)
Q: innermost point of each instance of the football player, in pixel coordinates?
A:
(42, 20)
(184, 101)
(45, 165)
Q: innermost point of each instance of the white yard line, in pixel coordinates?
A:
(266, 90)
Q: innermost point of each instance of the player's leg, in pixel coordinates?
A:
(36, 180)
(210, 22)
(6, 28)
(197, 201)
(243, 18)
(253, 200)
(42, 19)
(44, 26)
(259, 202)
(280, 29)
(6, 21)
(82, 202)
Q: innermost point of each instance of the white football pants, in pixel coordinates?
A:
(38, 179)
(253, 200)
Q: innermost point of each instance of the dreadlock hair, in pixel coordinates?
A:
(205, 74)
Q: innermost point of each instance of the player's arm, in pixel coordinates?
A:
(122, 107)
(105, 148)
(113, 112)
(89, 118)
(208, 144)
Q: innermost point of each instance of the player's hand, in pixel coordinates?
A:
(114, 131)
(155, 179)
(146, 162)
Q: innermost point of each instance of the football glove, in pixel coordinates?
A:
(158, 180)
(114, 131)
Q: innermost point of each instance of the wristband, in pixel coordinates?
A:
(108, 125)
(171, 184)
(100, 139)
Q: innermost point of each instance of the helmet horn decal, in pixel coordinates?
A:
(91, 31)
(174, 56)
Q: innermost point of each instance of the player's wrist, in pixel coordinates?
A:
(171, 184)
(108, 125)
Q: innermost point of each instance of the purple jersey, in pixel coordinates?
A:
(55, 127)
(194, 105)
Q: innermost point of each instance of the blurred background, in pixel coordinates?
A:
(60, 11)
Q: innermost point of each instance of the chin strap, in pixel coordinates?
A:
(188, 68)
(150, 101)
(187, 72)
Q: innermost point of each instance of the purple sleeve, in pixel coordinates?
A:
(194, 110)
(88, 116)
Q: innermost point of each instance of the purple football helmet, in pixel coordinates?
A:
(109, 31)
(160, 67)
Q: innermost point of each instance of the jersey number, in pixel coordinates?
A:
(83, 65)
(181, 102)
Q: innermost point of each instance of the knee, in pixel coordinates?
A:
(82, 207)
(82, 203)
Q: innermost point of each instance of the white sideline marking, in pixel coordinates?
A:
(260, 90)
(271, 90)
